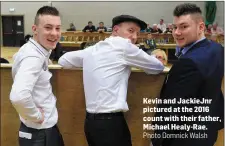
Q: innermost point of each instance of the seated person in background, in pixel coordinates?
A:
(217, 30)
(149, 44)
(88, 44)
(25, 40)
(27, 37)
(161, 55)
(101, 28)
(89, 28)
(3, 60)
(208, 29)
(148, 29)
(162, 25)
(155, 29)
(56, 53)
(72, 27)
(169, 28)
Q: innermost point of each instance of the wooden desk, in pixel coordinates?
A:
(166, 47)
(76, 46)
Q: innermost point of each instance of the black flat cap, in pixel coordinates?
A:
(127, 18)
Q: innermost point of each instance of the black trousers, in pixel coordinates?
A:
(108, 129)
(42, 137)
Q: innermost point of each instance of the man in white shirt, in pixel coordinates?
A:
(31, 92)
(162, 25)
(106, 69)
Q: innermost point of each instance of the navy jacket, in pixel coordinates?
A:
(197, 74)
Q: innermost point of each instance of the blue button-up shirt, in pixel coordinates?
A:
(185, 49)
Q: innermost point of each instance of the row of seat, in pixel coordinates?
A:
(79, 37)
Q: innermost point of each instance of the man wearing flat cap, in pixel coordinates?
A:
(106, 69)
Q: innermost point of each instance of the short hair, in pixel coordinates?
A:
(89, 22)
(46, 10)
(101, 22)
(186, 8)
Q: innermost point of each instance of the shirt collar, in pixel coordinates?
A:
(185, 49)
(43, 51)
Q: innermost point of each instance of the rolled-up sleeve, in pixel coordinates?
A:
(21, 92)
(136, 57)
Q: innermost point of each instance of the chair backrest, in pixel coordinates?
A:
(76, 36)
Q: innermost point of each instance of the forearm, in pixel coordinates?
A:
(64, 63)
(153, 66)
(72, 60)
(26, 108)
(138, 58)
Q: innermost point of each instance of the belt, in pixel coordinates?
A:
(23, 126)
(103, 115)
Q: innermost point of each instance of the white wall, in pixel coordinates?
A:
(220, 14)
(81, 12)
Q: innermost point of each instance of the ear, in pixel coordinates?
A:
(115, 28)
(34, 29)
(202, 26)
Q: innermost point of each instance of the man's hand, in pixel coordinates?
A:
(42, 116)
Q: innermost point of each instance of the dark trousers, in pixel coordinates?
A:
(108, 129)
(42, 137)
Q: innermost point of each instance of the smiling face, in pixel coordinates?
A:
(47, 31)
(128, 30)
(187, 29)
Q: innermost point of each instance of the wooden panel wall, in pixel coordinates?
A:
(68, 88)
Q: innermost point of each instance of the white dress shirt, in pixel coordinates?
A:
(106, 69)
(31, 88)
(162, 27)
